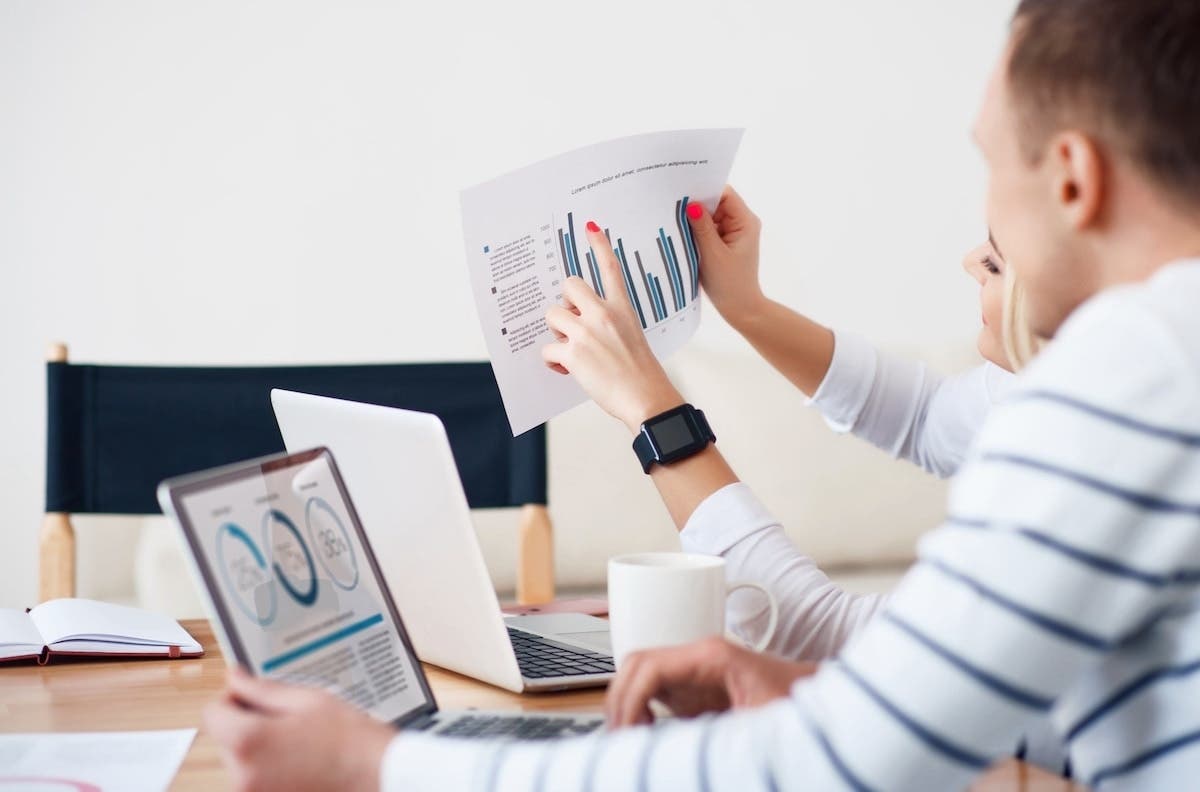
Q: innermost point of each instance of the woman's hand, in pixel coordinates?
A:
(274, 736)
(601, 342)
(728, 244)
(712, 675)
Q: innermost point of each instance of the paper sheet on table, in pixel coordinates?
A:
(137, 761)
(524, 234)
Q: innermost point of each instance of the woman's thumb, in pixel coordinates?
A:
(704, 230)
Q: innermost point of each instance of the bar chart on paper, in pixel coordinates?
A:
(680, 267)
(524, 236)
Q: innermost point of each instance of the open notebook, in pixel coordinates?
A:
(87, 627)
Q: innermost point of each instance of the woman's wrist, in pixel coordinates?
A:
(747, 313)
(655, 402)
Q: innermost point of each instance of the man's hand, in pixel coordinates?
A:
(282, 737)
(728, 246)
(601, 342)
(707, 676)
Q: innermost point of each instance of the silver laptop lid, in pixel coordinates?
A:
(402, 475)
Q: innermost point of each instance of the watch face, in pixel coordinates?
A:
(672, 434)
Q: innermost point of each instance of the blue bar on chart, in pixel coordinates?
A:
(659, 314)
(673, 256)
(678, 271)
(669, 265)
(633, 297)
(572, 249)
(562, 250)
(658, 295)
(689, 245)
(594, 270)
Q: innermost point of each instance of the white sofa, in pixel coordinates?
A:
(851, 507)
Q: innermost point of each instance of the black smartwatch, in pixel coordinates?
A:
(672, 436)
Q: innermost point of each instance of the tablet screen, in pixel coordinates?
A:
(285, 560)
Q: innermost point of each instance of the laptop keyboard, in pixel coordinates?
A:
(524, 727)
(540, 658)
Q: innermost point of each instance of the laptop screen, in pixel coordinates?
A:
(295, 584)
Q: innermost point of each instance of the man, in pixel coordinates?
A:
(1064, 580)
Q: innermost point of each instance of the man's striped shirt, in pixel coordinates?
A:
(1062, 584)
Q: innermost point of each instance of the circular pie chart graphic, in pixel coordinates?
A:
(243, 569)
(290, 557)
(331, 543)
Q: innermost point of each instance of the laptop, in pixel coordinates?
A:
(295, 593)
(401, 473)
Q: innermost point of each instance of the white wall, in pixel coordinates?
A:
(277, 181)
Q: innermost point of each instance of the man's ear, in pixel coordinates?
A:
(1078, 178)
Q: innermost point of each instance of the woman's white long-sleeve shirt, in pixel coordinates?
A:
(1064, 581)
(903, 408)
(899, 406)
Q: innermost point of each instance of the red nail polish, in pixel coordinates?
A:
(591, 226)
(694, 211)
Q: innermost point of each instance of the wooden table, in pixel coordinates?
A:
(129, 695)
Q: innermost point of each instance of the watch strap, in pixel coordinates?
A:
(644, 448)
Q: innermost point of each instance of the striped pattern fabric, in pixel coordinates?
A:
(1062, 585)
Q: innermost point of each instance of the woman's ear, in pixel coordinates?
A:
(1078, 178)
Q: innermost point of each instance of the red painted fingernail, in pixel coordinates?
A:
(694, 211)
(591, 226)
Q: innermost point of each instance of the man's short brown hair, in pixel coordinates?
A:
(1126, 72)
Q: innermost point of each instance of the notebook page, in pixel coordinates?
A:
(89, 620)
(18, 635)
(109, 647)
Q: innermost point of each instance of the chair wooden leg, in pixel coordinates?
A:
(535, 558)
(56, 555)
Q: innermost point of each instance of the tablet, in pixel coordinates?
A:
(293, 587)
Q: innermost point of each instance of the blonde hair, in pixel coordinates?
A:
(1020, 343)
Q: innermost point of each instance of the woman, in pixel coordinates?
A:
(895, 404)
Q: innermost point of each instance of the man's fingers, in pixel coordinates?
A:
(267, 694)
(231, 726)
(630, 701)
(647, 676)
(616, 688)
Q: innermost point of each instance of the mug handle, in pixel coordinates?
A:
(772, 621)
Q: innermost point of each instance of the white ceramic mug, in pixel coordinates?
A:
(666, 599)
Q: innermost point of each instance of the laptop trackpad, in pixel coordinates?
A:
(577, 628)
(598, 641)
